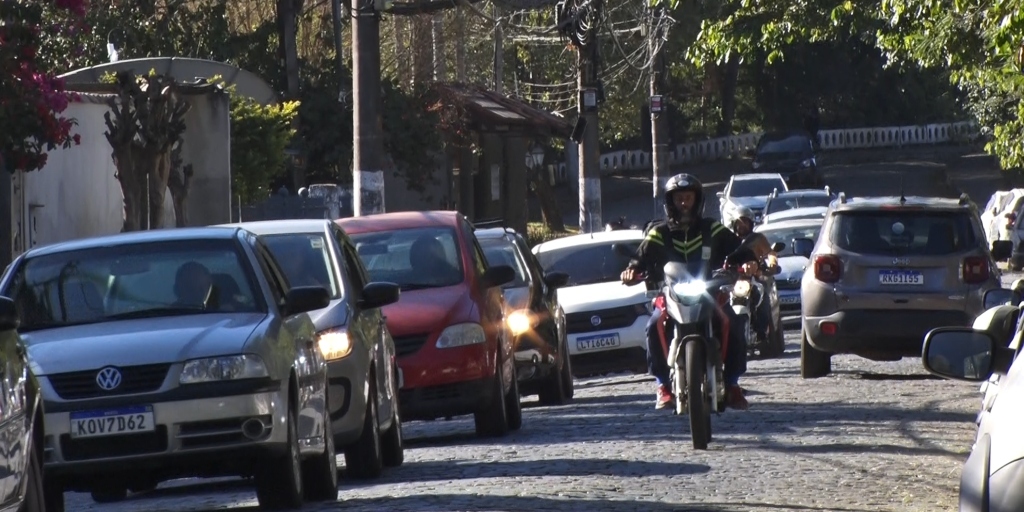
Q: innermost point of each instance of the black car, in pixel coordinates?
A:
(790, 154)
(22, 439)
(533, 315)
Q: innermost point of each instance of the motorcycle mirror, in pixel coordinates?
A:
(778, 247)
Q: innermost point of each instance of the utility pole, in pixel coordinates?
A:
(659, 150)
(368, 176)
(589, 149)
(499, 53)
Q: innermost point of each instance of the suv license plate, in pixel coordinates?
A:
(900, 277)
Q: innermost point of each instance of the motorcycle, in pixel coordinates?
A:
(748, 295)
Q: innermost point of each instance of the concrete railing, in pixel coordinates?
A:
(894, 137)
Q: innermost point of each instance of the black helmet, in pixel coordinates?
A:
(683, 182)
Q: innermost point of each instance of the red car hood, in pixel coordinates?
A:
(429, 310)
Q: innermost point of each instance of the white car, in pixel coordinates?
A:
(750, 190)
(606, 320)
(810, 212)
(792, 264)
(1000, 213)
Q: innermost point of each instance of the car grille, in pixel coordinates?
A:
(613, 318)
(114, 446)
(788, 284)
(408, 345)
(134, 379)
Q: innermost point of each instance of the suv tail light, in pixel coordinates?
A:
(975, 269)
(827, 268)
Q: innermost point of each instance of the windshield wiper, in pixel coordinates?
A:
(419, 286)
(53, 325)
(156, 312)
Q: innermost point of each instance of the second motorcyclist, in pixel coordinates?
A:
(743, 226)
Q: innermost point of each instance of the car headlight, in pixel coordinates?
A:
(213, 369)
(690, 288)
(741, 288)
(334, 344)
(519, 321)
(460, 335)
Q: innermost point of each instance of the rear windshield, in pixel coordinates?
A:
(904, 232)
(756, 187)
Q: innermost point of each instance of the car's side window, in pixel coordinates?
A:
(356, 272)
(476, 253)
(277, 286)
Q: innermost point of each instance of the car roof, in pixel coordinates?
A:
(805, 211)
(887, 202)
(789, 224)
(617, 235)
(802, 192)
(757, 176)
(399, 220)
(138, 237)
(278, 227)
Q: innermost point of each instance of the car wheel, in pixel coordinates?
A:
(35, 497)
(492, 419)
(567, 380)
(54, 493)
(392, 447)
(111, 494)
(553, 390)
(779, 340)
(514, 404)
(813, 362)
(279, 480)
(363, 458)
(320, 474)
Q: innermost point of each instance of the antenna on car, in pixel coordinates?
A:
(842, 198)
(964, 199)
(903, 197)
(827, 191)
(775, 192)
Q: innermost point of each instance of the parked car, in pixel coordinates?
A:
(534, 316)
(886, 270)
(152, 369)
(783, 201)
(454, 348)
(791, 263)
(790, 154)
(362, 372)
(992, 478)
(606, 321)
(22, 407)
(750, 190)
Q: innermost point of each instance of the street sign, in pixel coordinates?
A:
(656, 104)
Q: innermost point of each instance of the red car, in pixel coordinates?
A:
(454, 349)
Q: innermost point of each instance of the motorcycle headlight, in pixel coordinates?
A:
(690, 289)
(519, 321)
(212, 369)
(334, 344)
(741, 288)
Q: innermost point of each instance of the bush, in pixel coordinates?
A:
(537, 232)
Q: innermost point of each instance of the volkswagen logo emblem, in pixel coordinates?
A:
(595, 320)
(108, 378)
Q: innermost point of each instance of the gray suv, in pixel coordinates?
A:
(885, 271)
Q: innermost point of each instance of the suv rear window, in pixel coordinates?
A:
(923, 233)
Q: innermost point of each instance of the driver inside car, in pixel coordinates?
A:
(703, 244)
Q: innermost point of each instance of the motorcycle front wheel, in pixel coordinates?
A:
(697, 398)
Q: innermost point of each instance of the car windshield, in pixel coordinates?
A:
(587, 264)
(305, 259)
(414, 258)
(793, 145)
(501, 252)
(780, 204)
(142, 280)
(921, 233)
(754, 188)
(787, 234)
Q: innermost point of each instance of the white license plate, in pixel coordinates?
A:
(789, 300)
(597, 342)
(127, 420)
(900, 277)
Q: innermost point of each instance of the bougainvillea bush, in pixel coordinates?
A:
(31, 96)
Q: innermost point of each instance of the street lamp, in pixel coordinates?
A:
(535, 158)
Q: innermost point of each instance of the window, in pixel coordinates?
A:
(500, 252)
(755, 187)
(780, 204)
(587, 264)
(134, 281)
(923, 233)
(413, 258)
(305, 260)
(786, 236)
(355, 269)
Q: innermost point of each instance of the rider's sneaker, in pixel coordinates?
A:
(734, 399)
(665, 397)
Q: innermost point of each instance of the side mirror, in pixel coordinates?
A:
(750, 152)
(778, 247)
(379, 294)
(9, 319)
(498, 275)
(959, 353)
(556, 279)
(998, 297)
(624, 250)
(1002, 249)
(303, 299)
(720, 194)
(803, 247)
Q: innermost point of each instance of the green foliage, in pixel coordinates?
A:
(411, 136)
(259, 136)
(538, 232)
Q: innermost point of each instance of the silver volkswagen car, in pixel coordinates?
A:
(175, 353)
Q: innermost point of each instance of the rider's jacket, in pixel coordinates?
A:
(702, 248)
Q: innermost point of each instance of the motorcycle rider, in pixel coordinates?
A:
(743, 226)
(703, 244)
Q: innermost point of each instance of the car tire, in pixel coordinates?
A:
(514, 404)
(813, 362)
(779, 340)
(392, 446)
(567, 380)
(35, 495)
(320, 474)
(553, 391)
(363, 458)
(109, 494)
(54, 494)
(279, 480)
(492, 419)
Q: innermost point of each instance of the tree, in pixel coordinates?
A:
(147, 123)
(259, 136)
(31, 99)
